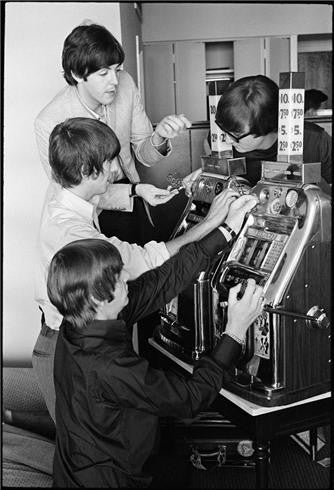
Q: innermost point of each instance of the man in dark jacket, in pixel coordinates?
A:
(108, 399)
(248, 114)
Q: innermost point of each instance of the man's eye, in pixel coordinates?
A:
(103, 73)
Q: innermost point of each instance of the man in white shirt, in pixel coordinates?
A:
(81, 152)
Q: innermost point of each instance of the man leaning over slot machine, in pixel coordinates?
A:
(248, 114)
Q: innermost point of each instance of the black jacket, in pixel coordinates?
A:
(108, 399)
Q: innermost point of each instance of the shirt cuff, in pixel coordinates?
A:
(226, 233)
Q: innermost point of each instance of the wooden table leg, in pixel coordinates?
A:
(261, 463)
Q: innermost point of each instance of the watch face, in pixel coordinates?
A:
(291, 198)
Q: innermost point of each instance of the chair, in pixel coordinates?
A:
(28, 432)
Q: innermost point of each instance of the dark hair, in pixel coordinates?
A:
(79, 146)
(250, 101)
(79, 272)
(314, 98)
(89, 48)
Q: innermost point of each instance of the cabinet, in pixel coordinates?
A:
(174, 80)
(176, 73)
(261, 56)
(159, 80)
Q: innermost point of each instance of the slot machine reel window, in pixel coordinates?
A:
(262, 249)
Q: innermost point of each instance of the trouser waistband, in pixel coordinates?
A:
(45, 330)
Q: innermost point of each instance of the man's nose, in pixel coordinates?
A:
(112, 77)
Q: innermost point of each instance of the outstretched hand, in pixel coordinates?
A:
(238, 210)
(241, 313)
(153, 195)
(220, 207)
(169, 127)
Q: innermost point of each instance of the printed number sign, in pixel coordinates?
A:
(291, 124)
(218, 137)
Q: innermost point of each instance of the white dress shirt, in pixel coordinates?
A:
(68, 217)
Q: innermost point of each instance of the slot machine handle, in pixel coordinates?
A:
(315, 317)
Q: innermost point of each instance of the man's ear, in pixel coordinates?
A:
(76, 77)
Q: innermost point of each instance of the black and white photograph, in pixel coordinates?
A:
(167, 244)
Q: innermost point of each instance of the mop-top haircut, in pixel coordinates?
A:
(79, 146)
(87, 49)
(249, 102)
(80, 272)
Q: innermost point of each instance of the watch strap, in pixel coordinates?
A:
(229, 229)
(133, 189)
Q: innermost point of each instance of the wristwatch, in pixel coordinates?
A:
(229, 230)
(133, 189)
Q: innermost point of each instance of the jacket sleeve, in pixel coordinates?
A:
(157, 287)
(134, 384)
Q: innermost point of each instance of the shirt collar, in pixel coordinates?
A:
(81, 206)
(95, 114)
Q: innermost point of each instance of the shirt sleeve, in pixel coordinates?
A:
(116, 198)
(136, 259)
(134, 384)
(156, 288)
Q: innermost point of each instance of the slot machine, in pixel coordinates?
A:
(285, 245)
(186, 322)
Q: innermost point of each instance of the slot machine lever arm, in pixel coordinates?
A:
(315, 317)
